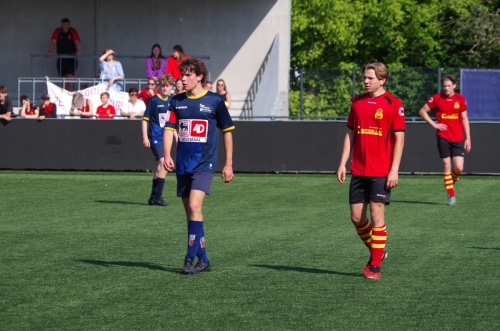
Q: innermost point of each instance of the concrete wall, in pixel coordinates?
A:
(235, 35)
(271, 146)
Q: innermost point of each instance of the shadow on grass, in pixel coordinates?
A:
(150, 266)
(123, 202)
(418, 202)
(490, 248)
(308, 270)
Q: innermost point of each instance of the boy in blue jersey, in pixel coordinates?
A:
(153, 124)
(198, 115)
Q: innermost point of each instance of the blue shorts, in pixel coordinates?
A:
(157, 151)
(200, 181)
(366, 189)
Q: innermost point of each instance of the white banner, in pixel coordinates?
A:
(62, 98)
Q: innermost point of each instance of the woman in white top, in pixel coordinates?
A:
(111, 70)
(135, 107)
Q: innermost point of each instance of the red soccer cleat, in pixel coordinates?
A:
(371, 272)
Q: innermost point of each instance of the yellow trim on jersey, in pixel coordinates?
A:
(197, 96)
(169, 128)
(228, 129)
(145, 119)
(159, 96)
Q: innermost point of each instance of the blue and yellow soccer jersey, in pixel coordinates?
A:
(156, 115)
(198, 121)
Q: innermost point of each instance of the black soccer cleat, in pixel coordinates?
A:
(202, 266)
(188, 267)
(157, 202)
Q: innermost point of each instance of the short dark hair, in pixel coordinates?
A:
(132, 90)
(194, 65)
(65, 20)
(23, 97)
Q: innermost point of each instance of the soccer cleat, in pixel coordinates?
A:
(188, 267)
(370, 260)
(158, 202)
(201, 266)
(452, 201)
(371, 272)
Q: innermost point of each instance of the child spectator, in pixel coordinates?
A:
(80, 106)
(106, 110)
(28, 110)
(47, 109)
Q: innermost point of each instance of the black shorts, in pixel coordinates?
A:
(447, 148)
(157, 151)
(200, 181)
(66, 67)
(366, 189)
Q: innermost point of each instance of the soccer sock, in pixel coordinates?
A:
(365, 232)
(154, 187)
(202, 251)
(379, 238)
(448, 184)
(195, 231)
(455, 175)
(160, 182)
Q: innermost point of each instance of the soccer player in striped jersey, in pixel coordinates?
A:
(375, 136)
(198, 115)
(451, 113)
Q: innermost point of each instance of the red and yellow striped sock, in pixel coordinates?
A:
(365, 232)
(448, 184)
(455, 175)
(379, 238)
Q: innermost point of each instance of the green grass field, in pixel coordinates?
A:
(83, 251)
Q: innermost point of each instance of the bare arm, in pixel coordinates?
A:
(145, 138)
(227, 171)
(51, 47)
(228, 100)
(424, 112)
(346, 151)
(392, 178)
(168, 138)
(78, 47)
(465, 121)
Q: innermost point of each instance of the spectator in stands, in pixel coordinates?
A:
(105, 110)
(179, 87)
(28, 110)
(80, 106)
(111, 70)
(5, 104)
(150, 91)
(208, 86)
(174, 61)
(152, 137)
(156, 63)
(67, 42)
(134, 107)
(222, 91)
(47, 109)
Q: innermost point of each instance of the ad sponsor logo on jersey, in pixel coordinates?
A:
(193, 131)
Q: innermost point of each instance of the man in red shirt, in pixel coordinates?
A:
(451, 113)
(375, 135)
(67, 42)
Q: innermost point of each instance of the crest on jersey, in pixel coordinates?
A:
(457, 105)
(379, 114)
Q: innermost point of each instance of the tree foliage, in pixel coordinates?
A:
(331, 38)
